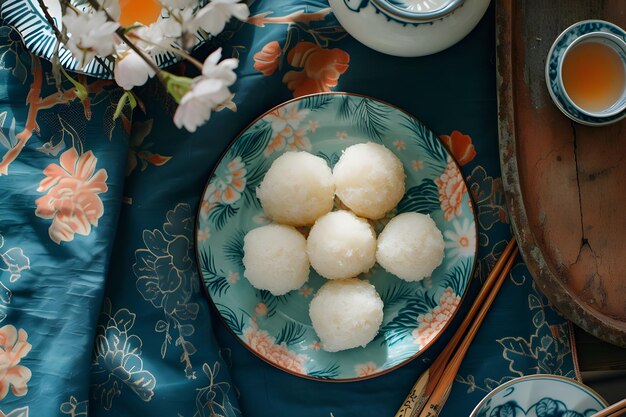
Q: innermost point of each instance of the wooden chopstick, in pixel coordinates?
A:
(617, 409)
(442, 390)
(423, 388)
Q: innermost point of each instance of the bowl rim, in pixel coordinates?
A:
(409, 16)
(558, 378)
(587, 37)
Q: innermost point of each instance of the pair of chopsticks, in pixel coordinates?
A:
(431, 390)
(617, 409)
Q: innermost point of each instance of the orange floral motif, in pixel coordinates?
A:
(400, 144)
(417, 165)
(451, 189)
(13, 347)
(260, 310)
(305, 291)
(321, 68)
(266, 60)
(460, 146)
(72, 200)
(232, 278)
(429, 325)
(366, 369)
(286, 129)
(265, 345)
(227, 186)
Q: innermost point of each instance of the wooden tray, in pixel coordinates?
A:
(565, 184)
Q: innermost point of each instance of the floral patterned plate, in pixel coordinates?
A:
(278, 329)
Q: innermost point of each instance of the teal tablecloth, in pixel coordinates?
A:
(101, 310)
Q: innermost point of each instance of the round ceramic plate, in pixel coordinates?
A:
(28, 19)
(555, 56)
(278, 329)
(540, 396)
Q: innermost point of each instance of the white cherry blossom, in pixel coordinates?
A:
(131, 70)
(112, 7)
(208, 92)
(213, 17)
(89, 35)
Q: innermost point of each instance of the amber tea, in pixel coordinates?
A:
(593, 75)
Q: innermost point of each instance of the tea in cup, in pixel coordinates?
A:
(586, 72)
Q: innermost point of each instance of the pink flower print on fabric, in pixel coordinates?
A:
(72, 200)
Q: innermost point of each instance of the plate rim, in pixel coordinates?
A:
(523, 378)
(207, 295)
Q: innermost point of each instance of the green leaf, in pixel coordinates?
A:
(370, 118)
(233, 249)
(131, 28)
(458, 276)
(81, 91)
(234, 322)
(221, 213)
(427, 141)
(271, 301)
(120, 105)
(396, 294)
(217, 284)
(252, 143)
(330, 371)
(177, 86)
(291, 334)
(423, 198)
(316, 102)
(406, 320)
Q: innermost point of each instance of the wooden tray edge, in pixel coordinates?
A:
(602, 327)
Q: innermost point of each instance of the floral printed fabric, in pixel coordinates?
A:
(61, 187)
(88, 204)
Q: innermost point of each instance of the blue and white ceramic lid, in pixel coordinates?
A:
(419, 10)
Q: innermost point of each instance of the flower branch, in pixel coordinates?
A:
(95, 32)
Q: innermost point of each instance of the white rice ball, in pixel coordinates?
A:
(275, 258)
(410, 246)
(346, 313)
(341, 245)
(369, 179)
(297, 189)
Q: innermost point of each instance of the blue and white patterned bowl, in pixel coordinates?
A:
(278, 329)
(540, 396)
(585, 31)
(409, 27)
(28, 19)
